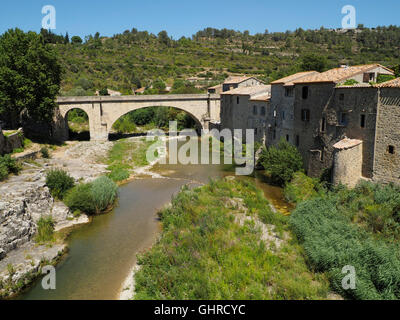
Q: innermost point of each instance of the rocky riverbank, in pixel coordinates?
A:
(25, 198)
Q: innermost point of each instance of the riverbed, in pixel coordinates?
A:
(101, 254)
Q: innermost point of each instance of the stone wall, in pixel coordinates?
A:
(387, 151)
(281, 116)
(11, 142)
(307, 133)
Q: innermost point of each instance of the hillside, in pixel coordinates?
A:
(137, 58)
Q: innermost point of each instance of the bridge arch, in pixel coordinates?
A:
(116, 116)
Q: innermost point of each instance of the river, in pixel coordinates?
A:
(102, 253)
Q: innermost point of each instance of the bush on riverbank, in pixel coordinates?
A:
(59, 182)
(356, 228)
(206, 253)
(92, 198)
(302, 188)
(8, 165)
(281, 162)
(45, 232)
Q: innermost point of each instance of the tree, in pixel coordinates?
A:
(30, 76)
(281, 162)
(159, 85)
(312, 62)
(76, 40)
(66, 38)
(164, 38)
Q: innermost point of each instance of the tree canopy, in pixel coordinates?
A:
(30, 76)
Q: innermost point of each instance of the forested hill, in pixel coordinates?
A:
(139, 59)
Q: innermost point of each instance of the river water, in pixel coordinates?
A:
(102, 253)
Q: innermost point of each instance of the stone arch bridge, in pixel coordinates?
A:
(103, 111)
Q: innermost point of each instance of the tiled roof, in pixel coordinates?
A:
(216, 87)
(248, 91)
(235, 80)
(347, 143)
(289, 79)
(338, 74)
(265, 97)
(395, 83)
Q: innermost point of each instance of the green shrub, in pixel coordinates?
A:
(59, 182)
(45, 153)
(302, 188)
(80, 198)
(350, 82)
(281, 162)
(119, 174)
(124, 125)
(45, 232)
(104, 192)
(8, 165)
(92, 198)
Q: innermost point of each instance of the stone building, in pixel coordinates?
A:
(246, 108)
(240, 82)
(359, 135)
(323, 112)
(215, 89)
(281, 113)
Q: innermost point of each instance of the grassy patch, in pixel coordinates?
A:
(205, 254)
(126, 155)
(8, 165)
(59, 182)
(45, 232)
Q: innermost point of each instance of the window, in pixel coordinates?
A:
(341, 97)
(237, 100)
(275, 113)
(391, 149)
(289, 92)
(256, 131)
(368, 77)
(297, 140)
(287, 138)
(362, 121)
(255, 111)
(305, 115)
(283, 115)
(274, 134)
(263, 111)
(322, 155)
(343, 119)
(305, 92)
(323, 124)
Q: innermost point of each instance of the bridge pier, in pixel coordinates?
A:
(98, 128)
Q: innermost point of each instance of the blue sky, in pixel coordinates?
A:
(185, 17)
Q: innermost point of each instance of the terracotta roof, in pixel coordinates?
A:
(216, 87)
(347, 143)
(235, 80)
(339, 74)
(248, 91)
(289, 79)
(265, 97)
(395, 83)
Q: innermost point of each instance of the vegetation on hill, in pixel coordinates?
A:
(137, 59)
